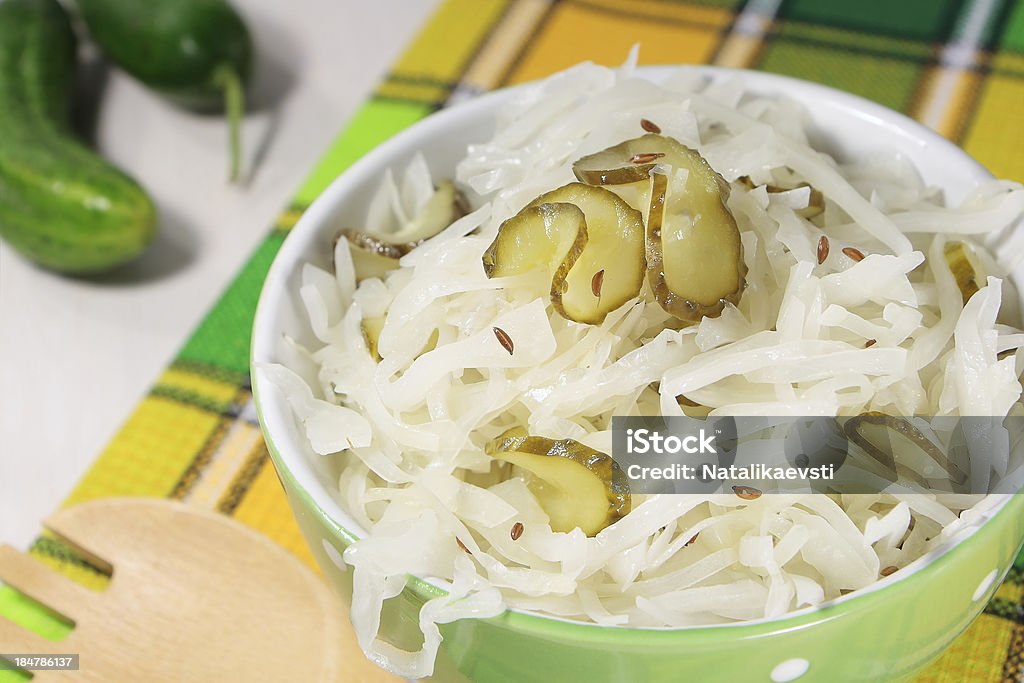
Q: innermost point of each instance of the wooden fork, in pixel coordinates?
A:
(194, 597)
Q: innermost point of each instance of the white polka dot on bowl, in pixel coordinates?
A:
(790, 670)
(984, 585)
(335, 556)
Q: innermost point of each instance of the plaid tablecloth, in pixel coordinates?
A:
(956, 65)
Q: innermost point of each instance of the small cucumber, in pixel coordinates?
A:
(61, 205)
(196, 52)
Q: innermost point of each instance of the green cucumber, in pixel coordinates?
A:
(196, 52)
(61, 205)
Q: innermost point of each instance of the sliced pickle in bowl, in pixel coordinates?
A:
(694, 254)
(613, 255)
(367, 263)
(576, 486)
(444, 207)
(815, 201)
(371, 328)
(626, 168)
(964, 266)
(544, 235)
(627, 162)
(896, 444)
(375, 244)
(591, 241)
(374, 255)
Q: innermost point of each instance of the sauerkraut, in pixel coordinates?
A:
(818, 331)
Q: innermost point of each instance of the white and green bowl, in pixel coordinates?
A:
(886, 632)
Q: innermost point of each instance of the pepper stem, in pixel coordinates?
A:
(234, 106)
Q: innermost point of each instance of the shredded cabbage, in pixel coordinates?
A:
(409, 430)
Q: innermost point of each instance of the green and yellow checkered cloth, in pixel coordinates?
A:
(956, 65)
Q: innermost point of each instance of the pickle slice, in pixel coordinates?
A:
(694, 255)
(552, 234)
(592, 242)
(371, 328)
(889, 440)
(444, 207)
(965, 268)
(626, 168)
(627, 162)
(692, 409)
(610, 270)
(375, 255)
(367, 263)
(577, 486)
(815, 203)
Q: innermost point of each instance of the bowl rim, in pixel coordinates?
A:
(522, 620)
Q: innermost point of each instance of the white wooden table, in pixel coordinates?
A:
(75, 356)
